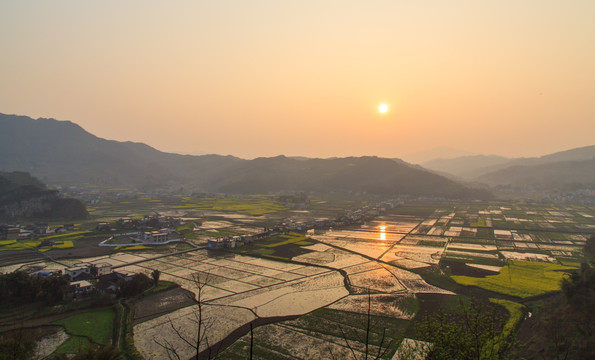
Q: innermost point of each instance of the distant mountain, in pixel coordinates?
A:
(477, 167)
(443, 152)
(466, 167)
(576, 154)
(352, 174)
(61, 152)
(561, 175)
(24, 197)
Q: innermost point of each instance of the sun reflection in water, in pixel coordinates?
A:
(382, 229)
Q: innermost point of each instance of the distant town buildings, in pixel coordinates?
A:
(351, 218)
(233, 241)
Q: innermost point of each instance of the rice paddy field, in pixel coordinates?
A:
(308, 292)
(381, 257)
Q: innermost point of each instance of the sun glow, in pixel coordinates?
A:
(382, 229)
(382, 108)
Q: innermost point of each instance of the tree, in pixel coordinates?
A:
(138, 284)
(590, 248)
(155, 276)
(473, 332)
(19, 288)
(199, 339)
(563, 326)
(16, 348)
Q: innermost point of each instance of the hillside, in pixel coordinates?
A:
(563, 175)
(353, 174)
(24, 197)
(61, 152)
(466, 167)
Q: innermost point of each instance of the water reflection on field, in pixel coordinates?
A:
(372, 239)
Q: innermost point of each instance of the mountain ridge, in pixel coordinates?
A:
(64, 153)
(477, 166)
(562, 175)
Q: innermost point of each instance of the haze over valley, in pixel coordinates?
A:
(297, 180)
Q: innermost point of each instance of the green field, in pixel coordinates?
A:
(65, 244)
(292, 238)
(68, 236)
(279, 247)
(61, 241)
(515, 311)
(249, 206)
(520, 278)
(131, 248)
(97, 326)
(8, 245)
(163, 285)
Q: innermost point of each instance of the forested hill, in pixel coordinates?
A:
(353, 174)
(61, 152)
(24, 197)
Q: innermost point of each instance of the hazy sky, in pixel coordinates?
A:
(263, 78)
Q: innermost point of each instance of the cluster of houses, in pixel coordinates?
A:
(154, 237)
(230, 242)
(146, 230)
(158, 236)
(15, 232)
(89, 278)
(351, 218)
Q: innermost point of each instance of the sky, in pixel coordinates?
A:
(305, 78)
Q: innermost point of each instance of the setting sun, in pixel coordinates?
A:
(382, 108)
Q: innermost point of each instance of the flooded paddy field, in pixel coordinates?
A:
(241, 289)
(302, 290)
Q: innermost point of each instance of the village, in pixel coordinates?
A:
(351, 218)
(89, 278)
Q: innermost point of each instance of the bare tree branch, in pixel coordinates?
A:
(202, 324)
(347, 342)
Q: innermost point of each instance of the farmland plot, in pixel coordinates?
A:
(414, 256)
(223, 321)
(396, 306)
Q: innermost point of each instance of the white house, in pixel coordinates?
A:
(154, 236)
(78, 270)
